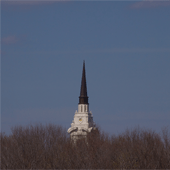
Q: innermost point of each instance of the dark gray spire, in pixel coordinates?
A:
(83, 99)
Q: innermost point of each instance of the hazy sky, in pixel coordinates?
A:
(126, 47)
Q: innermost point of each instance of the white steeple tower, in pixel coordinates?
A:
(83, 119)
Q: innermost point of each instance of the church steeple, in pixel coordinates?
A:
(83, 99)
(82, 123)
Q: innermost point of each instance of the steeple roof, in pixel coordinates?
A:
(83, 99)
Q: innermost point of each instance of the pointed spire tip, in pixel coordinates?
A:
(83, 99)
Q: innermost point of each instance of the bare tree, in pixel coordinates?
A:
(50, 147)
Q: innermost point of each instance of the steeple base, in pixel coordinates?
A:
(82, 123)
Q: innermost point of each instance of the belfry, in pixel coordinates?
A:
(83, 119)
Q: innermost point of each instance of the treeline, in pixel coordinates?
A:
(50, 147)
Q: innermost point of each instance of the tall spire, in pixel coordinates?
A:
(83, 99)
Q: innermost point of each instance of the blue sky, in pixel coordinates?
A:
(126, 47)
